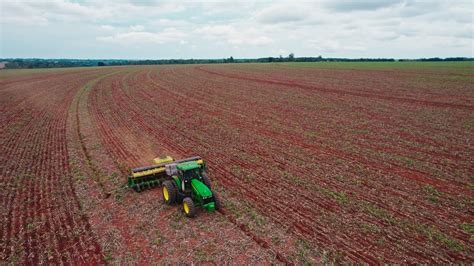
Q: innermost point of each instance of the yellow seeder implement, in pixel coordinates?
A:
(151, 176)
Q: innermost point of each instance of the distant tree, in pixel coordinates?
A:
(231, 59)
(100, 64)
(291, 57)
(12, 65)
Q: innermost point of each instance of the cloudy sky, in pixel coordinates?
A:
(247, 29)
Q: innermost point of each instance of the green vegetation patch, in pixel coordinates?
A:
(468, 228)
(430, 232)
(341, 197)
(432, 193)
(379, 213)
(434, 234)
(158, 238)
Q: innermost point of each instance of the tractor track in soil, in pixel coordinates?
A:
(95, 169)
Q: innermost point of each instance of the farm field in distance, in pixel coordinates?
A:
(314, 162)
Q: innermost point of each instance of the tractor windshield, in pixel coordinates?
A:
(191, 174)
(189, 170)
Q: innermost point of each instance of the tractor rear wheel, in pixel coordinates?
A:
(169, 192)
(188, 207)
(217, 202)
(206, 180)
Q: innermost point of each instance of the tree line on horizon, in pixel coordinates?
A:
(16, 63)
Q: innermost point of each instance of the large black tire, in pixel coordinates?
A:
(169, 192)
(217, 202)
(188, 207)
(206, 180)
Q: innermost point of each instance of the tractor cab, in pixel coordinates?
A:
(188, 171)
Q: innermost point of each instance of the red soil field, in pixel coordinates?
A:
(315, 163)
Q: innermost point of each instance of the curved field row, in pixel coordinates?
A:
(42, 220)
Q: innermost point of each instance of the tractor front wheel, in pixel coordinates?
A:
(206, 180)
(169, 192)
(188, 207)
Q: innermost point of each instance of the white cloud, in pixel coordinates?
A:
(143, 37)
(364, 28)
(163, 22)
(68, 11)
(349, 5)
(14, 13)
(283, 13)
(107, 27)
(332, 46)
(232, 35)
(137, 28)
(226, 7)
(54, 10)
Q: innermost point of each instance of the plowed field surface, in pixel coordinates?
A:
(336, 162)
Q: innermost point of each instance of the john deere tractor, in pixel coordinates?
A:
(183, 181)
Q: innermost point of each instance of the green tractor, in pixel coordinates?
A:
(190, 185)
(183, 181)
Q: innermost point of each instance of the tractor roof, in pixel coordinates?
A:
(186, 166)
